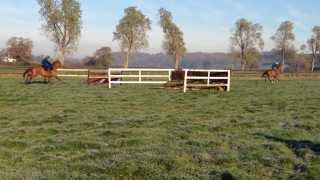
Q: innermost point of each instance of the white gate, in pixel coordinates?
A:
(210, 78)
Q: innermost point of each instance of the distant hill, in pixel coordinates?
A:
(190, 60)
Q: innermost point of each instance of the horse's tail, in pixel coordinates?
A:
(264, 74)
(26, 72)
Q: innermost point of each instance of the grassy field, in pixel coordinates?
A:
(70, 129)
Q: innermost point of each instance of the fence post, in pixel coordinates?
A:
(109, 78)
(208, 83)
(88, 80)
(140, 74)
(229, 80)
(185, 81)
(170, 75)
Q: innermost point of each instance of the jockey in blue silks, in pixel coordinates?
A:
(46, 64)
(275, 65)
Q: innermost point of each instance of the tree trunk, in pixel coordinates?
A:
(126, 59)
(312, 64)
(283, 56)
(177, 62)
(243, 65)
(61, 55)
(243, 62)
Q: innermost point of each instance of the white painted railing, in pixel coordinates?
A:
(118, 76)
(139, 75)
(80, 71)
(209, 78)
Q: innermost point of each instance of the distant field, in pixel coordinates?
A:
(63, 130)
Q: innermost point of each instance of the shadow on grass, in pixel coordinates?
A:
(294, 145)
(223, 176)
(227, 176)
(36, 82)
(44, 82)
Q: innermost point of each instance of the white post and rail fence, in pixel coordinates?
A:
(213, 78)
(138, 76)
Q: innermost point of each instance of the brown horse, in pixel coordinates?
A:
(273, 75)
(38, 70)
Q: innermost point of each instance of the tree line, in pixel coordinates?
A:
(62, 24)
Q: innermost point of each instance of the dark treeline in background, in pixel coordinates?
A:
(198, 60)
(190, 60)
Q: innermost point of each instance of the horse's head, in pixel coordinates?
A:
(56, 64)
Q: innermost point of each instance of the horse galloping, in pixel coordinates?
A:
(273, 75)
(38, 70)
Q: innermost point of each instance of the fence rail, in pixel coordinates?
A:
(210, 77)
(139, 76)
(79, 71)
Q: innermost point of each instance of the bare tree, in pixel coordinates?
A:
(20, 49)
(173, 44)
(284, 38)
(246, 41)
(131, 32)
(252, 59)
(62, 24)
(313, 45)
(103, 57)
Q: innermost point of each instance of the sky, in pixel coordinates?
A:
(206, 24)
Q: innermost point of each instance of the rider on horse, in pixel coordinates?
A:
(46, 64)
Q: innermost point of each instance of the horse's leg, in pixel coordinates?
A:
(275, 79)
(49, 79)
(271, 80)
(45, 80)
(46, 77)
(278, 78)
(25, 76)
(57, 78)
(30, 79)
(26, 79)
(34, 76)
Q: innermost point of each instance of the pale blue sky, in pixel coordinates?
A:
(206, 23)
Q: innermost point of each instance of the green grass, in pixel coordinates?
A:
(64, 130)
